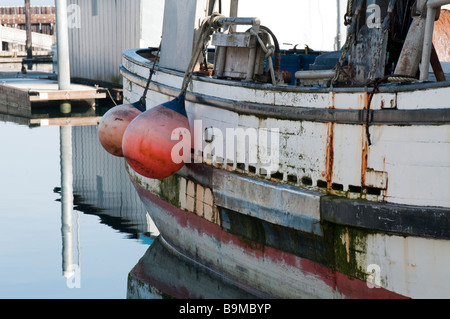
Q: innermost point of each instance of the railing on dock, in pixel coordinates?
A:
(19, 37)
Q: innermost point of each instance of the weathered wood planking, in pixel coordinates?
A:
(16, 98)
(72, 95)
(14, 102)
(75, 121)
(21, 19)
(42, 18)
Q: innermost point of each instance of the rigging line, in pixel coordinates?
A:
(141, 105)
(195, 56)
(375, 89)
(152, 72)
(206, 29)
(110, 96)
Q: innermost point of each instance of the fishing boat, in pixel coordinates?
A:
(323, 178)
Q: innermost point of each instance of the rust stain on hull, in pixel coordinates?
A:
(364, 157)
(329, 160)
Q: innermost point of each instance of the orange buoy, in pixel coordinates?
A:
(113, 125)
(149, 141)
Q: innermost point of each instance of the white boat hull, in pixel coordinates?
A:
(339, 217)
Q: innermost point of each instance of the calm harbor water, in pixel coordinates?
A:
(110, 229)
(73, 227)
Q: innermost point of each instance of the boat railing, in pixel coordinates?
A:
(432, 6)
(225, 22)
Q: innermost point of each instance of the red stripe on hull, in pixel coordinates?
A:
(340, 283)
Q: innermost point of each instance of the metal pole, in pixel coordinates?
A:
(432, 5)
(62, 42)
(28, 45)
(234, 5)
(212, 3)
(427, 44)
(338, 26)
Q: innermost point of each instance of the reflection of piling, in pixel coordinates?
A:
(67, 200)
(62, 42)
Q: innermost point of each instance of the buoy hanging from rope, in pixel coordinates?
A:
(113, 124)
(148, 142)
(151, 143)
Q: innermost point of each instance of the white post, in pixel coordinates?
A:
(62, 39)
(427, 44)
(62, 43)
(338, 26)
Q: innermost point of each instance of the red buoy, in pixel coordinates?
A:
(149, 141)
(113, 125)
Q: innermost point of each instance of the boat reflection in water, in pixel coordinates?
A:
(163, 274)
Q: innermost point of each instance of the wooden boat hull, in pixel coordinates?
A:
(339, 217)
(252, 265)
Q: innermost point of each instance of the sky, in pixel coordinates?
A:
(306, 22)
(311, 23)
(318, 16)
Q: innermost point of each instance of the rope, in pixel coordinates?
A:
(348, 14)
(110, 96)
(206, 29)
(269, 52)
(376, 89)
(141, 104)
(350, 19)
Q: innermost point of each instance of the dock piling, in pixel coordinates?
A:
(62, 42)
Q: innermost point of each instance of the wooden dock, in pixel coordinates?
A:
(40, 90)
(17, 95)
(63, 121)
(36, 120)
